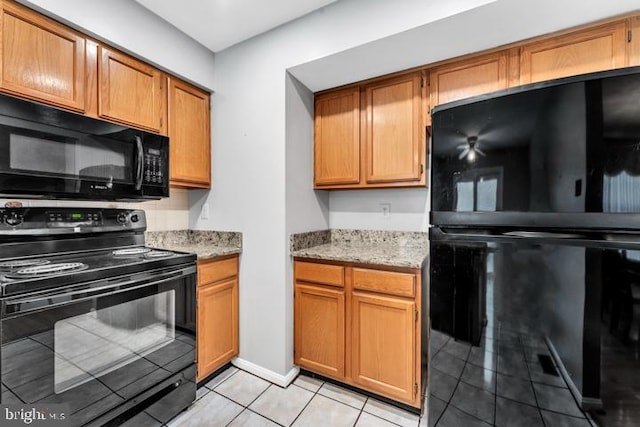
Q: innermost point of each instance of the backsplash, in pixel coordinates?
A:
(171, 213)
(363, 237)
(193, 237)
(310, 239)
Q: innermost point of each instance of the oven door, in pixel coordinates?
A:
(99, 347)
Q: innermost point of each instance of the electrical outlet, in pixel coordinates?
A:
(204, 212)
(386, 209)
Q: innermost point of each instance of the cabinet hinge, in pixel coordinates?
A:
(421, 168)
(415, 390)
(416, 315)
(629, 33)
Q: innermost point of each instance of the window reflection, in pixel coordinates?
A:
(479, 190)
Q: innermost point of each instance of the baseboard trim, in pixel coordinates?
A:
(586, 403)
(266, 374)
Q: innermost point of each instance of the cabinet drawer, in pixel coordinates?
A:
(212, 271)
(319, 273)
(401, 284)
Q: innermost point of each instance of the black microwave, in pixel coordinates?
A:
(46, 152)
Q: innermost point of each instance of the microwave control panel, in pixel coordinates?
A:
(153, 167)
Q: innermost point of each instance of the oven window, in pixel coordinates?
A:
(93, 344)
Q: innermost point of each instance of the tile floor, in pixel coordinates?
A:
(236, 398)
(499, 383)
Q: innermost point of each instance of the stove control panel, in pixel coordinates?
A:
(12, 218)
(54, 221)
(73, 218)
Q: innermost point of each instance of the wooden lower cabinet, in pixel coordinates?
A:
(319, 329)
(383, 335)
(217, 314)
(361, 326)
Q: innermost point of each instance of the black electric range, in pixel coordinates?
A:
(92, 322)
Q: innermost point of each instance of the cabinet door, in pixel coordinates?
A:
(594, 49)
(394, 130)
(319, 314)
(383, 340)
(189, 126)
(41, 59)
(471, 77)
(131, 91)
(337, 138)
(217, 333)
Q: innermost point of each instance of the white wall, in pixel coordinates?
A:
(306, 209)
(362, 209)
(127, 25)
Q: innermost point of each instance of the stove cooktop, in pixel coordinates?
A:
(47, 271)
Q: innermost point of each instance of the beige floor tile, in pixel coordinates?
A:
(368, 420)
(242, 387)
(391, 413)
(282, 405)
(311, 384)
(201, 392)
(342, 395)
(251, 419)
(214, 382)
(323, 411)
(212, 410)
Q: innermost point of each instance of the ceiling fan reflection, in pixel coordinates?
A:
(470, 150)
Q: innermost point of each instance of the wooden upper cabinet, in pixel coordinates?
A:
(594, 49)
(41, 59)
(393, 148)
(471, 77)
(337, 138)
(190, 136)
(131, 91)
(371, 136)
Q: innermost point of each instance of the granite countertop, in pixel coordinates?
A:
(205, 244)
(388, 248)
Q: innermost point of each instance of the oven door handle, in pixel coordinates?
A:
(139, 162)
(53, 300)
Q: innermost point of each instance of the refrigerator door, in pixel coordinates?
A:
(525, 324)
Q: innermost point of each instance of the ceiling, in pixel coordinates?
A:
(218, 24)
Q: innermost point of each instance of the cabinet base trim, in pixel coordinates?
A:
(357, 389)
(266, 374)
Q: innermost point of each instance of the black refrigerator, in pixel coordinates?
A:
(535, 255)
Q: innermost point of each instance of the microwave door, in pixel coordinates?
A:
(50, 153)
(68, 164)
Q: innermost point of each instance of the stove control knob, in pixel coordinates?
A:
(122, 218)
(13, 219)
(135, 218)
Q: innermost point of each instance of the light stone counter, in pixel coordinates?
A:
(205, 244)
(388, 248)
